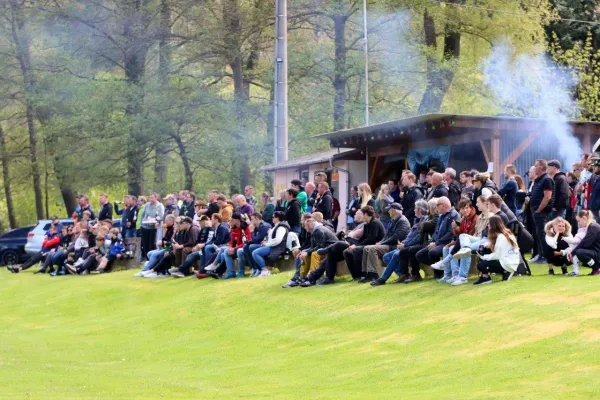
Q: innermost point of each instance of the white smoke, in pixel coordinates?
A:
(534, 86)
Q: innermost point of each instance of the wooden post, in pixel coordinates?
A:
(496, 156)
(587, 142)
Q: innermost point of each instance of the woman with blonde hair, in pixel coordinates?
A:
(382, 205)
(365, 195)
(558, 234)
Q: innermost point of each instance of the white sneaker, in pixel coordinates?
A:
(460, 281)
(145, 273)
(444, 279)
(438, 265)
(211, 267)
(452, 279)
(151, 275)
(265, 272)
(139, 274)
(163, 276)
(463, 253)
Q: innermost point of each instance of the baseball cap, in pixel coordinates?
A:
(396, 206)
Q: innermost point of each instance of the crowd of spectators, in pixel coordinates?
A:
(442, 219)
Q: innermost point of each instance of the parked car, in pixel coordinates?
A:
(12, 246)
(36, 236)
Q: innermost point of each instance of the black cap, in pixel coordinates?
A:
(554, 163)
(396, 206)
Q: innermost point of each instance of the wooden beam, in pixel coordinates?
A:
(587, 139)
(454, 139)
(517, 152)
(389, 150)
(496, 156)
(373, 171)
(486, 151)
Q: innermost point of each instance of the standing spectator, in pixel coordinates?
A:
(123, 212)
(540, 204)
(335, 211)
(561, 190)
(281, 204)
(186, 209)
(382, 205)
(296, 184)
(151, 221)
(310, 190)
(353, 206)
(243, 206)
(129, 227)
(394, 190)
(324, 203)
(249, 196)
(483, 185)
(454, 191)
(106, 209)
(140, 214)
(268, 208)
(594, 197)
(468, 190)
(213, 206)
(438, 189)
(84, 205)
(411, 196)
(171, 206)
(509, 190)
(293, 213)
(365, 196)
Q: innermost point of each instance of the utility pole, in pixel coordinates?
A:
(281, 82)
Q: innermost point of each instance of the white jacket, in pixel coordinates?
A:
(508, 256)
(279, 234)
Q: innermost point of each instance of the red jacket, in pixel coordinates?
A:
(239, 237)
(50, 243)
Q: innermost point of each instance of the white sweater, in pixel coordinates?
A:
(508, 256)
(279, 234)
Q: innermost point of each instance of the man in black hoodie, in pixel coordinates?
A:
(293, 212)
(411, 195)
(454, 191)
(106, 209)
(561, 190)
(324, 202)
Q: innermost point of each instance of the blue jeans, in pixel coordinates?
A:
(392, 262)
(296, 229)
(228, 259)
(220, 255)
(259, 256)
(59, 258)
(209, 250)
(461, 267)
(129, 233)
(189, 260)
(248, 249)
(386, 224)
(154, 257)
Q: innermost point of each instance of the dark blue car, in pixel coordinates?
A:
(12, 246)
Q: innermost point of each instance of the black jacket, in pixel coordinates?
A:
(454, 193)
(171, 209)
(397, 232)
(187, 210)
(321, 238)
(408, 202)
(437, 192)
(591, 241)
(561, 191)
(373, 233)
(132, 213)
(293, 213)
(106, 212)
(221, 236)
(324, 205)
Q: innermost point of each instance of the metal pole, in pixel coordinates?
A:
(366, 50)
(281, 85)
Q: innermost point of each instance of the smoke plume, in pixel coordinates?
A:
(534, 86)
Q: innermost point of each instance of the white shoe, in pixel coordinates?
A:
(265, 272)
(211, 267)
(438, 265)
(163, 276)
(145, 273)
(139, 274)
(444, 279)
(460, 281)
(463, 253)
(451, 279)
(151, 275)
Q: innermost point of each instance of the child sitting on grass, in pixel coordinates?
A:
(115, 252)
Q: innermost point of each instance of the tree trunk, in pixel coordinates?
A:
(22, 52)
(339, 77)
(164, 68)
(134, 23)
(12, 220)
(185, 160)
(439, 76)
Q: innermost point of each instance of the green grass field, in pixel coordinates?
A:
(115, 336)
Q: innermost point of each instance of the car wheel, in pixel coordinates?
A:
(10, 257)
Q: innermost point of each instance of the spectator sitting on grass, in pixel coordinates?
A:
(52, 240)
(115, 252)
(588, 250)
(504, 258)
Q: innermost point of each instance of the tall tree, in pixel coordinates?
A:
(4, 159)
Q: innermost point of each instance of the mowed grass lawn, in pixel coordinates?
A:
(115, 336)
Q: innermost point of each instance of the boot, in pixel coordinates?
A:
(414, 278)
